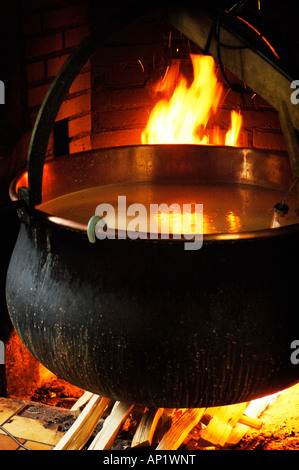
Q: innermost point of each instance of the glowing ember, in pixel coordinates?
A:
(182, 115)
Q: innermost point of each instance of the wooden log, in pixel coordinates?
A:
(105, 438)
(223, 419)
(79, 433)
(237, 434)
(253, 411)
(241, 429)
(180, 430)
(251, 422)
(80, 403)
(146, 428)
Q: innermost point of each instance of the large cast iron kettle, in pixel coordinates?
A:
(146, 321)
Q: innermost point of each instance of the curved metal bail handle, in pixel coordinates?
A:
(99, 33)
(46, 118)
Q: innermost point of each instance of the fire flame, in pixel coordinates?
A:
(27, 379)
(182, 115)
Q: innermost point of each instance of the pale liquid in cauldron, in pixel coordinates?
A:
(227, 208)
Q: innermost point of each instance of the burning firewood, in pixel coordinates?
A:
(214, 427)
(251, 422)
(82, 429)
(83, 400)
(107, 435)
(180, 430)
(220, 422)
(146, 428)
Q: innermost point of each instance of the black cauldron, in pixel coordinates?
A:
(145, 321)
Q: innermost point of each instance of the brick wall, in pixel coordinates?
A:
(52, 29)
(123, 73)
(121, 76)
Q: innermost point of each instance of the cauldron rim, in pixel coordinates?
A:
(69, 224)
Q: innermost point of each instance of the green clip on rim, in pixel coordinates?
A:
(92, 226)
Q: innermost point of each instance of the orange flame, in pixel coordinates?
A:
(232, 135)
(182, 115)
